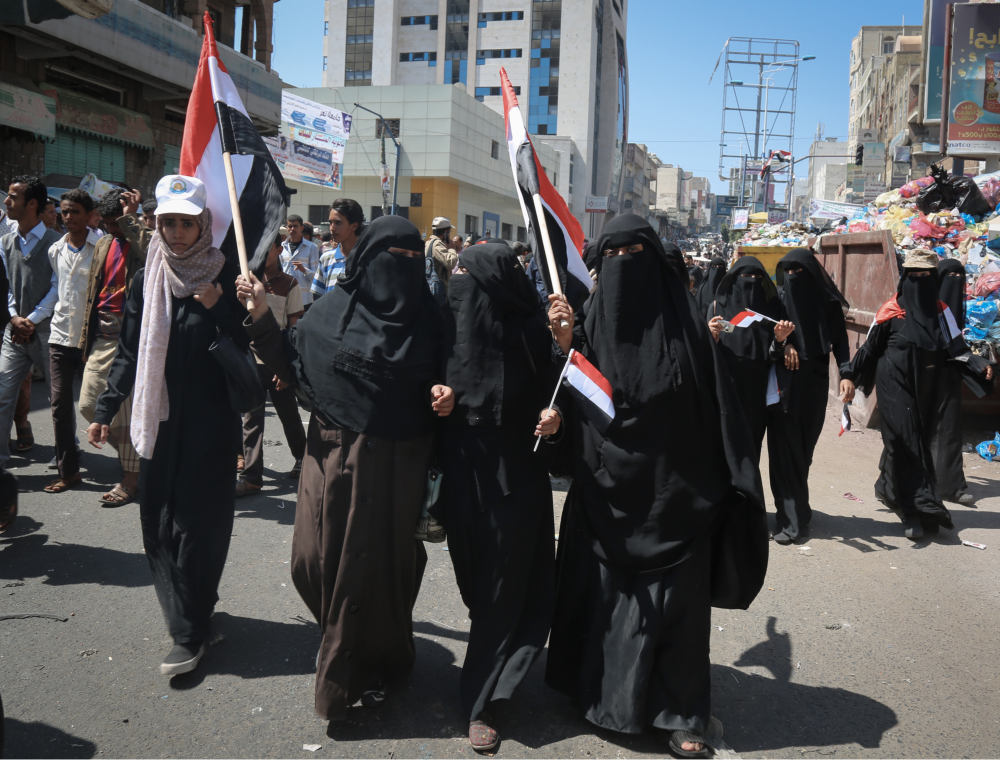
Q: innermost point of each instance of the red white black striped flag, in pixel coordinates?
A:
(217, 121)
(565, 232)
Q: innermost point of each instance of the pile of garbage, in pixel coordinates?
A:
(785, 235)
(957, 217)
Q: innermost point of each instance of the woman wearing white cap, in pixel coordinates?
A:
(183, 426)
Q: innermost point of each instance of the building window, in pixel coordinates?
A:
(393, 125)
(416, 200)
(522, 235)
(887, 44)
(324, 63)
(360, 36)
(471, 225)
(431, 21)
(543, 103)
(408, 57)
(319, 214)
(456, 42)
(485, 18)
(482, 55)
(482, 92)
(506, 231)
(618, 10)
(495, 150)
(326, 28)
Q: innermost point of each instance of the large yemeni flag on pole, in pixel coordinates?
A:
(563, 230)
(216, 116)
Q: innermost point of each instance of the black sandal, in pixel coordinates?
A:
(374, 697)
(677, 738)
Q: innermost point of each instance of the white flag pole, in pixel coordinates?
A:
(556, 391)
(549, 256)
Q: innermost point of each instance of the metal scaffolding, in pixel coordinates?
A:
(758, 116)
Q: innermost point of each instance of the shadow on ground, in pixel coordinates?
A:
(29, 740)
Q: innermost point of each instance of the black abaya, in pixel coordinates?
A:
(946, 444)
(187, 490)
(495, 496)
(665, 517)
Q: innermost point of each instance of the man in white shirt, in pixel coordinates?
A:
(31, 298)
(70, 258)
(300, 258)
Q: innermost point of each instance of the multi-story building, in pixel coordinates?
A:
(565, 58)
(639, 191)
(823, 154)
(111, 93)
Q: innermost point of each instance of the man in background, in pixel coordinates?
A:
(437, 248)
(347, 222)
(149, 214)
(299, 258)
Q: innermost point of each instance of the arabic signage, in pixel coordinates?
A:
(974, 103)
(311, 144)
(874, 158)
(311, 115)
(833, 210)
(597, 204)
(27, 110)
(777, 217)
(85, 114)
(724, 204)
(741, 217)
(936, 22)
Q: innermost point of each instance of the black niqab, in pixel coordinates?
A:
(709, 288)
(737, 293)
(635, 316)
(952, 291)
(486, 309)
(368, 350)
(919, 298)
(812, 302)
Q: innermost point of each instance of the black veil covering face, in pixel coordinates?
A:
(952, 290)
(813, 304)
(486, 308)
(918, 295)
(375, 338)
(738, 292)
(709, 288)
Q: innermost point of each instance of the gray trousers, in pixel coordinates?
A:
(15, 364)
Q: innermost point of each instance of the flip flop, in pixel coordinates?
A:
(63, 484)
(482, 737)
(119, 496)
(25, 440)
(240, 463)
(677, 738)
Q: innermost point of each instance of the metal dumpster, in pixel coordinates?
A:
(866, 270)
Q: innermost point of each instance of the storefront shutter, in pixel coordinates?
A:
(171, 159)
(77, 155)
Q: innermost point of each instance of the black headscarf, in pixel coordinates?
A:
(487, 308)
(812, 302)
(737, 293)
(370, 348)
(699, 276)
(636, 314)
(708, 289)
(952, 290)
(919, 298)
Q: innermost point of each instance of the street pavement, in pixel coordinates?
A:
(861, 643)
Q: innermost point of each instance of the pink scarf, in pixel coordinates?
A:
(167, 274)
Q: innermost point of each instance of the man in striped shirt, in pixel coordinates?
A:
(346, 225)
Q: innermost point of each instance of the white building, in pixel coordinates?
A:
(453, 160)
(565, 58)
(825, 153)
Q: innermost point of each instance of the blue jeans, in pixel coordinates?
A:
(15, 364)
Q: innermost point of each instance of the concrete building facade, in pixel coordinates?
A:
(453, 160)
(565, 58)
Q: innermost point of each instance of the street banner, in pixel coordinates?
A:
(309, 114)
(331, 143)
(936, 22)
(741, 217)
(777, 217)
(833, 210)
(218, 123)
(974, 102)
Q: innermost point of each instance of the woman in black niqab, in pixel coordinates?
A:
(814, 304)
(707, 291)
(664, 518)
(496, 499)
(749, 351)
(365, 358)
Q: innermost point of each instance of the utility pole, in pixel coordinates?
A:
(385, 129)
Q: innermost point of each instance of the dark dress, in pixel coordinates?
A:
(812, 302)
(665, 516)
(187, 490)
(496, 497)
(362, 359)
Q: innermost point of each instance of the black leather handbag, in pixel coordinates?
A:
(242, 381)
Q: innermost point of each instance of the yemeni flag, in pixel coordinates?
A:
(777, 156)
(747, 318)
(845, 420)
(565, 232)
(590, 388)
(216, 117)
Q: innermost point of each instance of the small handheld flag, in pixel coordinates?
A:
(845, 420)
(747, 318)
(589, 387)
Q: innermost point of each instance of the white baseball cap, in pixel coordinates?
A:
(441, 223)
(177, 194)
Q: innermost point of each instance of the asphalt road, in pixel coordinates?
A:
(861, 645)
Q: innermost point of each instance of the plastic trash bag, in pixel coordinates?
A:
(990, 450)
(912, 189)
(950, 192)
(987, 283)
(979, 315)
(921, 226)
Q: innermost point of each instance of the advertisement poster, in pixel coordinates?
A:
(330, 143)
(741, 217)
(974, 105)
(874, 159)
(934, 65)
(309, 114)
(834, 210)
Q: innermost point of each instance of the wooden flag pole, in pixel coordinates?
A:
(234, 202)
(549, 256)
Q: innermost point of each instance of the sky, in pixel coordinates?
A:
(672, 47)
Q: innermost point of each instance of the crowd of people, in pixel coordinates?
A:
(431, 371)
